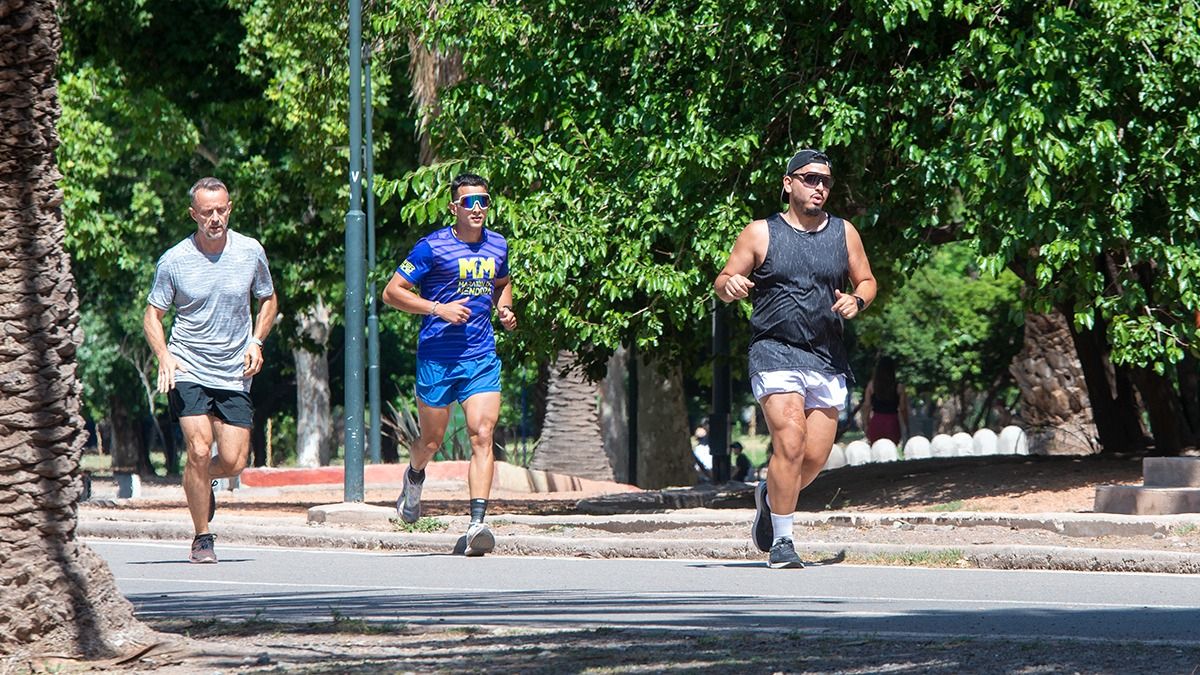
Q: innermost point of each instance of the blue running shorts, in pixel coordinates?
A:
(440, 383)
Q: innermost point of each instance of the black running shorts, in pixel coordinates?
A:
(231, 407)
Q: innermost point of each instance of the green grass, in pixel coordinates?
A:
(947, 558)
(1184, 529)
(955, 505)
(424, 525)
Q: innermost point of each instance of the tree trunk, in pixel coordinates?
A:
(57, 595)
(314, 417)
(664, 452)
(129, 453)
(1054, 395)
(614, 413)
(571, 440)
(430, 71)
(1166, 411)
(1115, 409)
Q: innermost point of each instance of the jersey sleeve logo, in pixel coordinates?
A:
(407, 267)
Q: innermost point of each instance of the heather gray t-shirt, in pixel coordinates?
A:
(211, 295)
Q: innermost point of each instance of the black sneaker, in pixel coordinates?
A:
(212, 502)
(763, 532)
(202, 549)
(783, 554)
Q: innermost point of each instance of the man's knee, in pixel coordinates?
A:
(431, 444)
(198, 453)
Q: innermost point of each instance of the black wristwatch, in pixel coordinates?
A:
(862, 304)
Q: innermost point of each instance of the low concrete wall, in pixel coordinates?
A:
(505, 476)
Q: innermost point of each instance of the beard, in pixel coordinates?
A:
(812, 211)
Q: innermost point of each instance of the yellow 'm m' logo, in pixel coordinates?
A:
(476, 268)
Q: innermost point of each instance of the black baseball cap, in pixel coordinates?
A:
(804, 158)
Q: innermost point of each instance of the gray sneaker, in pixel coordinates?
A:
(202, 549)
(408, 504)
(783, 555)
(763, 532)
(480, 539)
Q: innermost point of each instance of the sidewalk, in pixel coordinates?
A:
(552, 524)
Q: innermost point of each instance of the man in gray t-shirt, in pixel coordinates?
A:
(214, 352)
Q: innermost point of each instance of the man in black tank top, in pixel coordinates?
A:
(795, 267)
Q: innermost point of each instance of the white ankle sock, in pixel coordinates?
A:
(782, 525)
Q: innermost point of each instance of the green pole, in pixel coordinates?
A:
(375, 434)
(355, 276)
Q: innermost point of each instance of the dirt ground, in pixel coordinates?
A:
(1021, 484)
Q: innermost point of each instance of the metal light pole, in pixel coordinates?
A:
(375, 435)
(718, 421)
(355, 277)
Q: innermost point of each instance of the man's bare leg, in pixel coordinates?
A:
(786, 420)
(233, 450)
(482, 412)
(197, 485)
(432, 422)
(821, 425)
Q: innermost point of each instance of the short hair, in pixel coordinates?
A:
(208, 183)
(466, 179)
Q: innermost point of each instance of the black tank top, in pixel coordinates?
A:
(792, 323)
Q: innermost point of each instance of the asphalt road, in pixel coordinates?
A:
(317, 585)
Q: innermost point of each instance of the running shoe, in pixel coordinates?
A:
(202, 549)
(408, 504)
(212, 502)
(480, 539)
(783, 554)
(763, 532)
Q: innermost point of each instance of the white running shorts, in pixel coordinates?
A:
(820, 390)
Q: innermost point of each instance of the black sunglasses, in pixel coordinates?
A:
(812, 180)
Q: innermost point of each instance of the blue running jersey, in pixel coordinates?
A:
(446, 269)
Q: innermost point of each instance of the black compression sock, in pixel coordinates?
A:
(415, 476)
(478, 507)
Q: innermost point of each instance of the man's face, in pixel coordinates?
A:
(808, 188)
(210, 209)
(470, 206)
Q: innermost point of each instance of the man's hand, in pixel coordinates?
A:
(845, 304)
(167, 365)
(455, 312)
(738, 286)
(253, 360)
(507, 318)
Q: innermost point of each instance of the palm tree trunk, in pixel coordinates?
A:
(57, 595)
(1055, 405)
(571, 441)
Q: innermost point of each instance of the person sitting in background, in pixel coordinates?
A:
(885, 404)
(742, 468)
(702, 455)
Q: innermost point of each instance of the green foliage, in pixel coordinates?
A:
(630, 142)
(949, 327)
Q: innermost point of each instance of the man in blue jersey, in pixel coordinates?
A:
(461, 272)
(806, 272)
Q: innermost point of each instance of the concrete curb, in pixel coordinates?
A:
(976, 555)
(1066, 524)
